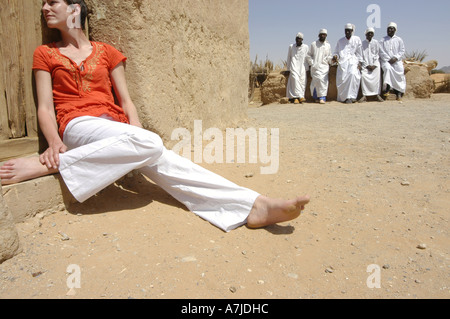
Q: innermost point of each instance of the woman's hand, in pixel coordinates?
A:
(50, 157)
(136, 123)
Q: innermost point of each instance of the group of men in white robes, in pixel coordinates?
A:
(301, 58)
(359, 66)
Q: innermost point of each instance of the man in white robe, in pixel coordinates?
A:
(370, 67)
(297, 65)
(348, 54)
(392, 50)
(319, 59)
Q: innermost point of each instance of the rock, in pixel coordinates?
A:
(274, 88)
(284, 100)
(36, 274)
(188, 259)
(431, 65)
(422, 246)
(293, 276)
(9, 238)
(405, 183)
(419, 83)
(64, 236)
(329, 270)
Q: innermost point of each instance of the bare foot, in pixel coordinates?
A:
(268, 211)
(23, 169)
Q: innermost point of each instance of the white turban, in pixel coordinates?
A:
(323, 31)
(370, 30)
(393, 24)
(300, 35)
(350, 26)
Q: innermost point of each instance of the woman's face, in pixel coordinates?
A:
(56, 13)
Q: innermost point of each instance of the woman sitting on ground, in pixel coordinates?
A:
(94, 142)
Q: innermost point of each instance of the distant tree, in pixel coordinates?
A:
(436, 71)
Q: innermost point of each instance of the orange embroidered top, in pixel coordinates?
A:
(81, 90)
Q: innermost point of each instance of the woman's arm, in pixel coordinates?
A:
(47, 120)
(121, 90)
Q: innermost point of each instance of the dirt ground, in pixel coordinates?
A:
(378, 175)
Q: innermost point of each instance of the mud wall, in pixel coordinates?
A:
(187, 59)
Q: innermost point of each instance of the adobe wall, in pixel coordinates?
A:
(187, 59)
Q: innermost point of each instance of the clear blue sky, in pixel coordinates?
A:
(273, 24)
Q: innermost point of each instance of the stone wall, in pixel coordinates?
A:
(187, 59)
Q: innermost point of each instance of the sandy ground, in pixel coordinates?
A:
(378, 175)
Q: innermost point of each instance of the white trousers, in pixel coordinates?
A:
(102, 151)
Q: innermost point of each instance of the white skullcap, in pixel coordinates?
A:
(393, 24)
(300, 35)
(349, 26)
(323, 31)
(370, 30)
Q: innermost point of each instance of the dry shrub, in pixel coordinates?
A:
(259, 70)
(416, 56)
